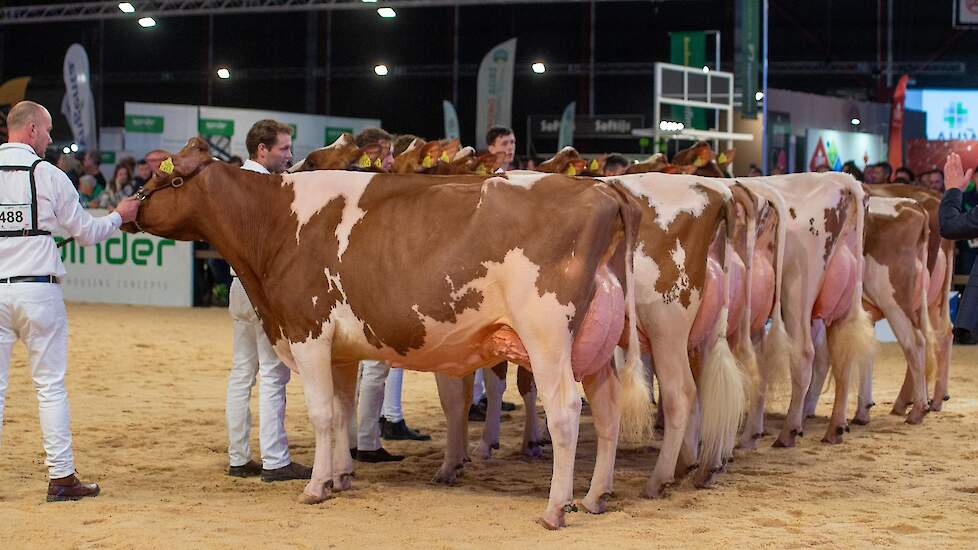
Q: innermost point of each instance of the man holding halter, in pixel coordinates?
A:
(37, 198)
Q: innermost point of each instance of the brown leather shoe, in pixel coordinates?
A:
(248, 469)
(69, 488)
(293, 470)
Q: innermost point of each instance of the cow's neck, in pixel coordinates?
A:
(249, 224)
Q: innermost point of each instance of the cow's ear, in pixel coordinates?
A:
(428, 155)
(725, 158)
(194, 156)
(370, 157)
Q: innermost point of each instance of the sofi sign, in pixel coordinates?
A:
(137, 269)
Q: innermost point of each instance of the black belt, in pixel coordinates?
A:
(32, 279)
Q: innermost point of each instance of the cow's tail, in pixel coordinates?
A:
(852, 341)
(636, 394)
(743, 347)
(721, 384)
(777, 353)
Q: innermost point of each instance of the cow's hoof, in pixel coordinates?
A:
(861, 419)
(532, 449)
(937, 404)
(832, 438)
(448, 474)
(784, 441)
(705, 478)
(343, 483)
(916, 415)
(898, 410)
(552, 519)
(655, 489)
(483, 451)
(596, 505)
(316, 492)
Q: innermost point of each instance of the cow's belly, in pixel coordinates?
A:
(761, 290)
(937, 277)
(710, 306)
(738, 298)
(838, 285)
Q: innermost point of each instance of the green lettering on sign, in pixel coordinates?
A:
(118, 250)
(333, 134)
(215, 127)
(108, 157)
(144, 124)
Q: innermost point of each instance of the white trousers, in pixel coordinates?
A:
(35, 313)
(371, 378)
(392, 396)
(252, 355)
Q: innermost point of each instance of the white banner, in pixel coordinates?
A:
(139, 269)
(565, 136)
(833, 149)
(494, 90)
(78, 105)
(451, 120)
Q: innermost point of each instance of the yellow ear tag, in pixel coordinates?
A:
(427, 162)
(378, 164)
(699, 163)
(364, 161)
(444, 157)
(722, 159)
(481, 170)
(571, 171)
(594, 165)
(167, 165)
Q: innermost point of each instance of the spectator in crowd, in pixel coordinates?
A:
(235, 160)
(86, 191)
(903, 175)
(821, 168)
(502, 140)
(884, 172)
(143, 175)
(381, 137)
(71, 167)
(119, 188)
(154, 158)
(933, 179)
(90, 161)
(615, 164)
(129, 163)
(754, 171)
(850, 168)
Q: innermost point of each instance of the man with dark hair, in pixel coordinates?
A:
(933, 179)
(885, 171)
(616, 164)
(903, 175)
(371, 136)
(501, 140)
(269, 144)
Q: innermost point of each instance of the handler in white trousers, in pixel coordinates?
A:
(36, 198)
(269, 146)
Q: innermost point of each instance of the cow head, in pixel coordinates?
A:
(167, 198)
(699, 155)
(337, 156)
(566, 161)
(420, 156)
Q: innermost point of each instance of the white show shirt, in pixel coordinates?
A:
(57, 207)
(251, 166)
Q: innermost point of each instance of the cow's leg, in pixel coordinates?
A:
(345, 384)
(455, 395)
(865, 400)
(677, 396)
(313, 360)
(820, 368)
(495, 380)
(562, 403)
(603, 390)
(531, 437)
(799, 327)
(944, 339)
(914, 346)
(851, 340)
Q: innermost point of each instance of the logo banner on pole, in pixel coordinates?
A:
(494, 90)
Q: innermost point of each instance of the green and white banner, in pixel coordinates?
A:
(494, 90)
(451, 120)
(138, 269)
(565, 137)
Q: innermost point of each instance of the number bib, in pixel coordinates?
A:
(15, 217)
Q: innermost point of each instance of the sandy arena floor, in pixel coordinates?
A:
(147, 389)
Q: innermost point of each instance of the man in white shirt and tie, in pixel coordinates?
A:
(37, 198)
(269, 145)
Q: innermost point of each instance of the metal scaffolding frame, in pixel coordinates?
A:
(16, 15)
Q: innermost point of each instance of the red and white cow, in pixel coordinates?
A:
(821, 282)
(426, 274)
